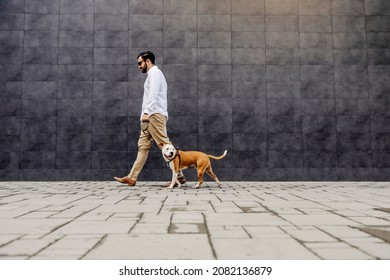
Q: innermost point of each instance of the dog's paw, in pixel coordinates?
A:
(170, 187)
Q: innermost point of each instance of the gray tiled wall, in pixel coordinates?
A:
(295, 89)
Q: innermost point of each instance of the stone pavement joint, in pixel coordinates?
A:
(243, 220)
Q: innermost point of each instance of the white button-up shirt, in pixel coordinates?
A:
(155, 93)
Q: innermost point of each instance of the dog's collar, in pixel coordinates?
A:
(177, 155)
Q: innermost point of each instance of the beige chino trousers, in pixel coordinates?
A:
(157, 131)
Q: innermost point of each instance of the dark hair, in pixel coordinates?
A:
(147, 55)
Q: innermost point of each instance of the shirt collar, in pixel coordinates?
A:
(152, 69)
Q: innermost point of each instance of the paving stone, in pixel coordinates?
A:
(188, 208)
(371, 221)
(162, 218)
(244, 219)
(60, 255)
(88, 227)
(95, 216)
(350, 213)
(183, 217)
(39, 236)
(9, 213)
(71, 242)
(378, 231)
(310, 235)
(230, 232)
(248, 204)
(140, 247)
(314, 211)
(24, 247)
(286, 211)
(342, 254)
(328, 245)
(14, 257)
(343, 231)
(150, 228)
(38, 215)
(4, 239)
(258, 209)
(291, 204)
(348, 205)
(67, 215)
(378, 250)
(266, 232)
(126, 207)
(318, 220)
(375, 213)
(125, 215)
(189, 228)
(356, 242)
(31, 226)
(260, 249)
(175, 202)
(227, 209)
(69, 247)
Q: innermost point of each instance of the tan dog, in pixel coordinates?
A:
(179, 160)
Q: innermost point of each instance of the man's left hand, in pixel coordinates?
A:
(145, 118)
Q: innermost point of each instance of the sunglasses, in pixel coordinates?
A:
(140, 62)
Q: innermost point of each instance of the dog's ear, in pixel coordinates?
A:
(161, 145)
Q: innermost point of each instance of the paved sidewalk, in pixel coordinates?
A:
(243, 220)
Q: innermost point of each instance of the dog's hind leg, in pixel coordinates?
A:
(200, 177)
(177, 179)
(210, 172)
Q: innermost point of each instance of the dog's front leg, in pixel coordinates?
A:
(174, 176)
(175, 166)
(174, 179)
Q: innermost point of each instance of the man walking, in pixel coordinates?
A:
(154, 114)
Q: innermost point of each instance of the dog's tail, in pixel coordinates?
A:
(218, 158)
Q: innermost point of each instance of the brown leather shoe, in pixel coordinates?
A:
(182, 181)
(125, 180)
